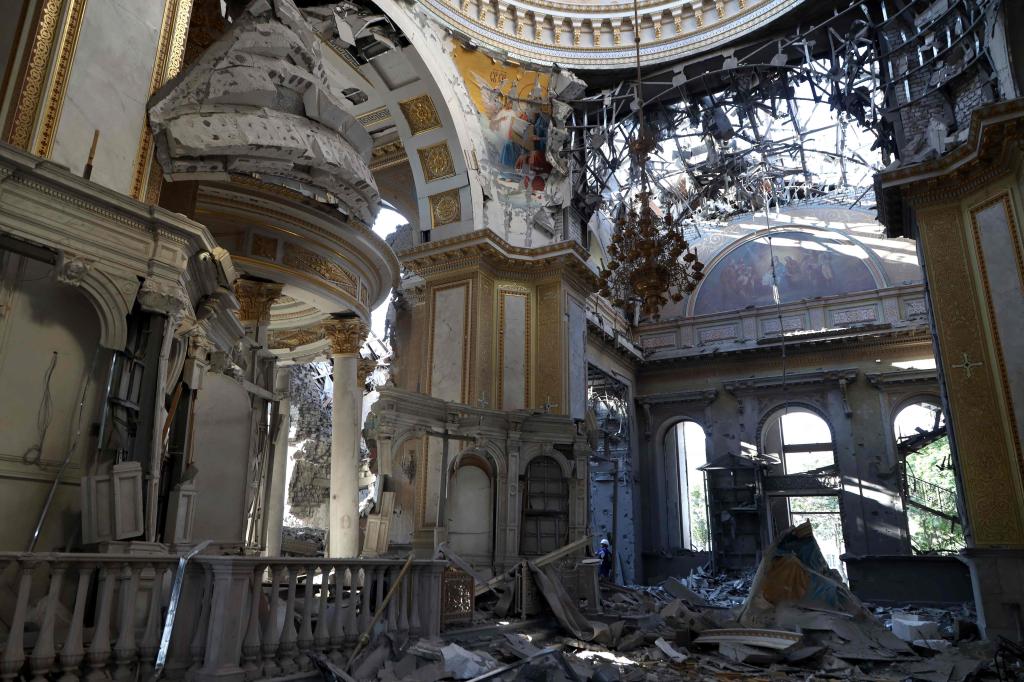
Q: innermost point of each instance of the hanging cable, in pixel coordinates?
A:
(765, 186)
(34, 454)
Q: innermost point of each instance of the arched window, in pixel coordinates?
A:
(929, 483)
(689, 443)
(801, 442)
(545, 508)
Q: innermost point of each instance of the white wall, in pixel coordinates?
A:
(39, 317)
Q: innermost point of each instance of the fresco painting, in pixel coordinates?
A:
(806, 265)
(515, 111)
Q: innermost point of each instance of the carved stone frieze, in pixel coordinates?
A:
(164, 298)
(420, 114)
(73, 269)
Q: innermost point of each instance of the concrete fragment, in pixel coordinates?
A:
(667, 649)
(463, 664)
(908, 627)
(606, 673)
(681, 591)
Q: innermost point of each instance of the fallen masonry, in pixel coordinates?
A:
(794, 619)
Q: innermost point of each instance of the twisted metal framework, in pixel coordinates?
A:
(810, 113)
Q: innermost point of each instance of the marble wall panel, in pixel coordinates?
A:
(108, 89)
(577, 359)
(514, 350)
(448, 343)
(1002, 260)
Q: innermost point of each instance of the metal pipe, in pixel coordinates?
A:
(74, 442)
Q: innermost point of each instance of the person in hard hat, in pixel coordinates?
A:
(605, 555)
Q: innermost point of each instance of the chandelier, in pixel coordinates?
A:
(650, 259)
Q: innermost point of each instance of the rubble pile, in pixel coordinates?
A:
(794, 619)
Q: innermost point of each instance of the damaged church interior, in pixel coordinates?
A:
(415, 340)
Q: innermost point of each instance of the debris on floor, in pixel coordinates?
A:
(794, 619)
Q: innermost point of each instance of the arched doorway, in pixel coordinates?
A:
(800, 442)
(545, 525)
(470, 510)
(686, 444)
(928, 481)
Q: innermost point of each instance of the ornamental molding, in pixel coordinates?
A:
(600, 35)
(799, 380)
(702, 397)
(255, 299)
(915, 378)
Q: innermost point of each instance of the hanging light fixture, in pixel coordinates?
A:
(650, 259)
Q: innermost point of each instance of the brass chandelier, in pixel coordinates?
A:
(650, 259)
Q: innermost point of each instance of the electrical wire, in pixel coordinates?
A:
(44, 416)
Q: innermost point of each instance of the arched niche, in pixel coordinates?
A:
(545, 506)
(470, 509)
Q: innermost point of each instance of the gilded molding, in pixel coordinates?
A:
(420, 114)
(32, 83)
(504, 291)
(303, 259)
(61, 74)
(985, 461)
(436, 161)
(290, 339)
(371, 118)
(170, 54)
(346, 334)
(445, 208)
(264, 247)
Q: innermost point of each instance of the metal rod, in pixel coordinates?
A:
(172, 608)
(364, 638)
(73, 446)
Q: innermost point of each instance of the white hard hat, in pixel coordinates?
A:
(604, 542)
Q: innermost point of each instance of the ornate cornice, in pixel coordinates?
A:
(595, 35)
(346, 335)
(701, 397)
(906, 378)
(756, 385)
(484, 247)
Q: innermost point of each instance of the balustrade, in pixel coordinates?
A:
(100, 616)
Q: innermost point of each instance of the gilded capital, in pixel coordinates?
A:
(255, 299)
(346, 335)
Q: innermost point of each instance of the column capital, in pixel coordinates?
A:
(366, 366)
(255, 299)
(346, 335)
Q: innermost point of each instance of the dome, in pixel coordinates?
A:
(586, 35)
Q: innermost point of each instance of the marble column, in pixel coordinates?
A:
(279, 473)
(346, 336)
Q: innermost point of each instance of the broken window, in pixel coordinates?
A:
(545, 508)
(929, 482)
(802, 481)
(691, 447)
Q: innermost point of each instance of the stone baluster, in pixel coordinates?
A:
(271, 632)
(305, 640)
(73, 652)
(287, 651)
(381, 575)
(395, 600)
(14, 651)
(44, 653)
(340, 613)
(403, 610)
(197, 648)
(432, 606)
(99, 648)
(152, 630)
(416, 597)
(351, 624)
(322, 637)
(251, 644)
(124, 648)
(364, 600)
